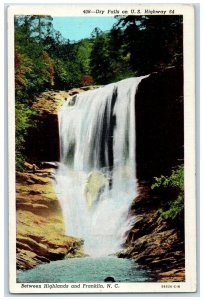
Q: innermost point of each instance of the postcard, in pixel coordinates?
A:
(101, 123)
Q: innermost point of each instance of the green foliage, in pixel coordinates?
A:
(100, 59)
(175, 209)
(23, 67)
(109, 62)
(173, 184)
(136, 45)
(83, 56)
(175, 180)
(34, 69)
(67, 74)
(23, 120)
(152, 42)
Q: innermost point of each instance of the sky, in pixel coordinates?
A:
(77, 28)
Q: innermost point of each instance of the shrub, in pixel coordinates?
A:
(87, 80)
(24, 119)
(174, 184)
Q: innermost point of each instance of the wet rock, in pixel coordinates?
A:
(40, 228)
(109, 279)
(95, 184)
(175, 275)
(74, 92)
(154, 243)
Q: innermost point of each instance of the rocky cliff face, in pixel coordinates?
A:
(40, 227)
(153, 242)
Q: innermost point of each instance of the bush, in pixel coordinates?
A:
(87, 80)
(174, 184)
(23, 120)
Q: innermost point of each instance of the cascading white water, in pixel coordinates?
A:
(96, 180)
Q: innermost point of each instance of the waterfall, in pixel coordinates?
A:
(96, 179)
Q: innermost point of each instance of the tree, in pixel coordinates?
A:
(152, 42)
(118, 57)
(48, 69)
(100, 59)
(41, 26)
(23, 66)
(109, 60)
(83, 56)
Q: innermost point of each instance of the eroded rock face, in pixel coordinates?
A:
(40, 228)
(155, 243)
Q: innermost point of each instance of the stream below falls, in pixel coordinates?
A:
(86, 269)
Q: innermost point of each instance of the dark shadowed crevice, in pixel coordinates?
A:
(159, 123)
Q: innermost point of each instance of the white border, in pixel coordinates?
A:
(189, 95)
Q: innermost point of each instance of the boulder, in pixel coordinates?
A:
(95, 184)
